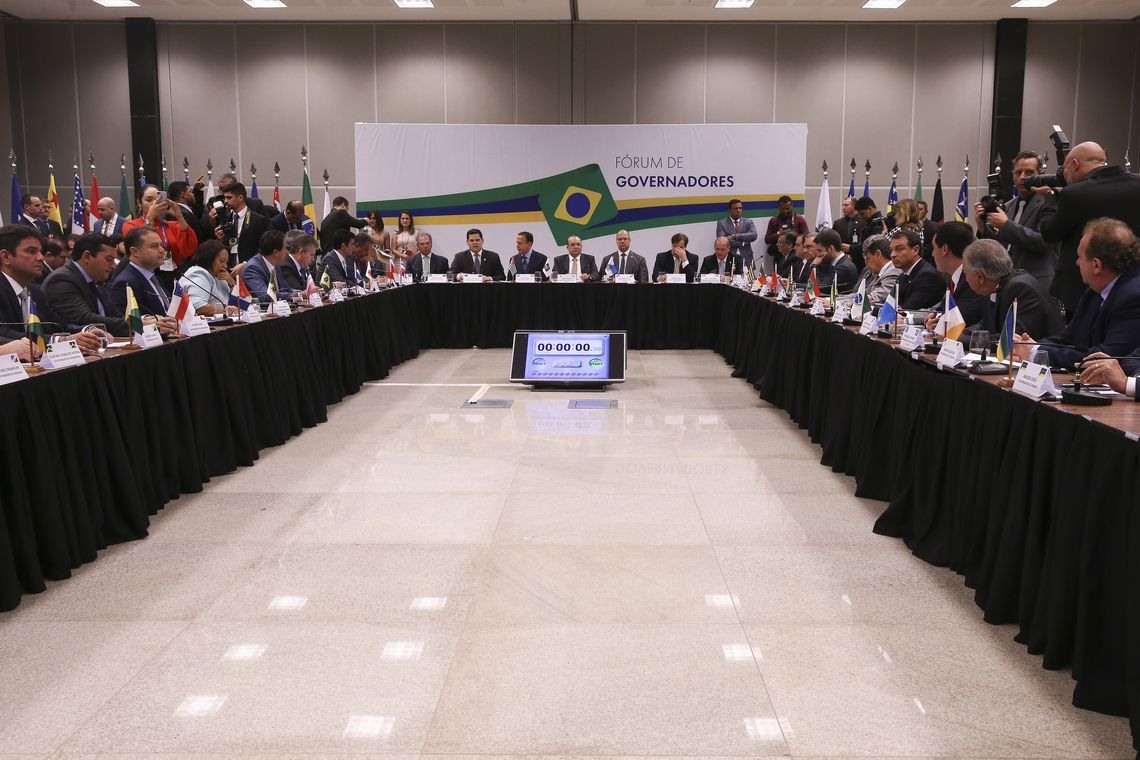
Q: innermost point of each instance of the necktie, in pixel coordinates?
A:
(720, 266)
(621, 269)
(161, 294)
(97, 300)
(676, 265)
(574, 265)
(24, 304)
(952, 288)
(273, 278)
(477, 265)
(736, 225)
(106, 228)
(43, 226)
(1020, 208)
(525, 264)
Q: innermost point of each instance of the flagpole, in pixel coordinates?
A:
(186, 169)
(1007, 381)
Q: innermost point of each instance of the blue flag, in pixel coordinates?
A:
(960, 211)
(867, 187)
(892, 196)
(253, 190)
(17, 208)
(889, 312)
(851, 190)
(79, 218)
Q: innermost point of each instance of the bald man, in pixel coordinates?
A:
(109, 222)
(1093, 189)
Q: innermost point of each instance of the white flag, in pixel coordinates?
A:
(328, 205)
(823, 218)
(859, 302)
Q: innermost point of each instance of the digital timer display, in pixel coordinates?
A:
(568, 357)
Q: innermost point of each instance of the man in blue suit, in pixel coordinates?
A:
(260, 272)
(740, 232)
(425, 261)
(146, 254)
(109, 223)
(340, 263)
(1107, 319)
(528, 260)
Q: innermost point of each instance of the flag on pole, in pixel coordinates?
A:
(328, 205)
(180, 307)
(276, 196)
(1008, 334)
(811, 292)
(211, 191)
(17, 208)
(124, 200)
(889, 312)
(960, 211)
(240, 296)
(93, 217)
(892, 196)
(937, 212)
(253, 189)
(133, 315)
(859, 300)
(918, 189)
(951, 324)
(307, 197)
(851, 190)
(326, 280)
(823, 218)
(867, 186)
(35, 327)
(79, 221)
(53, 201)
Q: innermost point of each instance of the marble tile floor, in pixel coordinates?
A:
(677, 577)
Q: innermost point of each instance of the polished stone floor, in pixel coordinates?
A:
(674, 577)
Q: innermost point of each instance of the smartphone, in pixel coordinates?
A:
(161, 196)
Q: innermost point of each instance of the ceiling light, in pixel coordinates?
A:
(734, 3)
(117, 3)
(265, 3)
(883, 3)
(414, 3)
(1033, 3)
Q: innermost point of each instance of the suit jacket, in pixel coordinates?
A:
(116, 228)
(338, 219)
(880, 285)
(794, 267)
(292, 277)
(13, 315)
(249, 241)
(1112, 327)
(843, 272)
(148, 300)
(663, 264)
(973, 306)
(733, 264)
(923, 288)
(535, 264)
(76, 303)
(1107, 191)
(201, 231)
(586, 265)
(634, 264)
(347, 273)
(280, 222)
(741, 242)
(1131, 367)
(489, 264)
(1027, 248)
(255, 275)
(416, 268)
(1037, 312)
(848, 228)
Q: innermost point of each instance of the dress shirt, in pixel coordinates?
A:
(22, 294)
(108, 228)
(1130, 387)
(240, 223)
(955, 279)
(149, 277)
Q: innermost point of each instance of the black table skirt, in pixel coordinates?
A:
(1035, 508)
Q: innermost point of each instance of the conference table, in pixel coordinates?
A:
(1033, 503)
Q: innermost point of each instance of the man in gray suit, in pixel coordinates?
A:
(574, 262)
(625, 261)
(740, 233)
(1015, 226)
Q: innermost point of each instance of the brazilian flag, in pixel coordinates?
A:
(35, 327)
(326, 280)
(575, 201)
(133, 315)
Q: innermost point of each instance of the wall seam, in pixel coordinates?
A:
(1132, 99)
(705, 112)
(237, 103)
(843, 109)
(913, 109)
(445, 73)
(635, 28)
(515, 65)
(1077, 89)
(776, 68)
(169, 93)
(375, 79)
(305, 66)
(78, 121)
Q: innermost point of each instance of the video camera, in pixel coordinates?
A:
(991, 202)
(224, 217)
(1061, 146)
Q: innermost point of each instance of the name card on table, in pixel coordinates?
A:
(870, 325)
(194, 325)
(62, 354)
(281, 308)
(437, 278)
(315, 300)
(525, 278)
(842, 312)
(765, 290)
(1034, 380)
(951, 354)
(912, 339)
(335, 296)
(625, 279)
(252, 314)
(150, 337)
(407, 280)
(675, 279)
(817, 308)
(710, 279)
(473, 279)
(563, 279)
(11, 370)
(796, 299)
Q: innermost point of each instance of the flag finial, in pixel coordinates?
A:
(75, 162)
(920, 164)
(997, 162)
(825, 168)
(966, 168)
(867, 167)
(853, 165)
(1044, 160)
(276, 170)
(233, 166)
(253, 171)
(141, 172)
(326, 176)
(895, 171)
(938, 164)
(1127, 160)
(209, 167)
(51, 164)
(123, 164)
(12, 158)
(305, 157)
(91, 161)
(186, 164)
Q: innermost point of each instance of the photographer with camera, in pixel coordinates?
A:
(1085, 188)
(785, 221)
(1015, 225)
(238, 227)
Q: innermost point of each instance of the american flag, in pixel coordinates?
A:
(79, 220)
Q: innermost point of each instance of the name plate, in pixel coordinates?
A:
(625, 279)
(563, 279)
(150, 337)
(315, 300)
(336, 296)
(675, 279)
(525, 278)
(912, 339)
(870, 325)
(796, 299)
(817, 308)
(437, 278)
(1034, 380)
(281, 308)
(765, 290)
(11, 370)
(951, 354)
(251, 315)
(710, 279)
(407, 279)
(195, 325)
(472, 279)
(62, 354)
(841, 313)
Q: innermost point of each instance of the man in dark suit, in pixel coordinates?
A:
(797, 264)
(249, 224)
(848, 225)
(340, 263)
(948, 246)
(920, 286)
(625, 261)
(183, 195)
(73, 289)
(1015, 225)
(55, 255)
(296, 270)
(576, 263)
(53, 228)
(928, 228)
(527, 260)
(677, 260)
(741, 232)
(293, 218)
(476, 260)
(1093, 190)
(836, 266)
(425, 261)
(33, 215)
(20, 259)
(109, 223)
(146, 254)
(339, 219)
(988, 268)
(1121, 376)
(1107, 318)
(260, 272)
(722, 261)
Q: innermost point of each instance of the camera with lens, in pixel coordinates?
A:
(991, 202)
(225, 218)
(1061, 146)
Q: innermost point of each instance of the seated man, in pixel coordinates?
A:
(73, 289)
(722, 261)
(785, 250)
(367, 263)
(1107, 319)
(880, 274)
(624, 260)
(295, 273)
(56, 254)
(528, 260)
(424, 262)
(339, 263)
(798, 265)
(836, 265)
(576, 263)
(145, 255)
(920, 287)
(950, 241)
(989, 271)
(677, 260)
(478, 260)
(20, 259)
(260, 272)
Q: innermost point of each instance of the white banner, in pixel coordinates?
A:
(590, 181)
